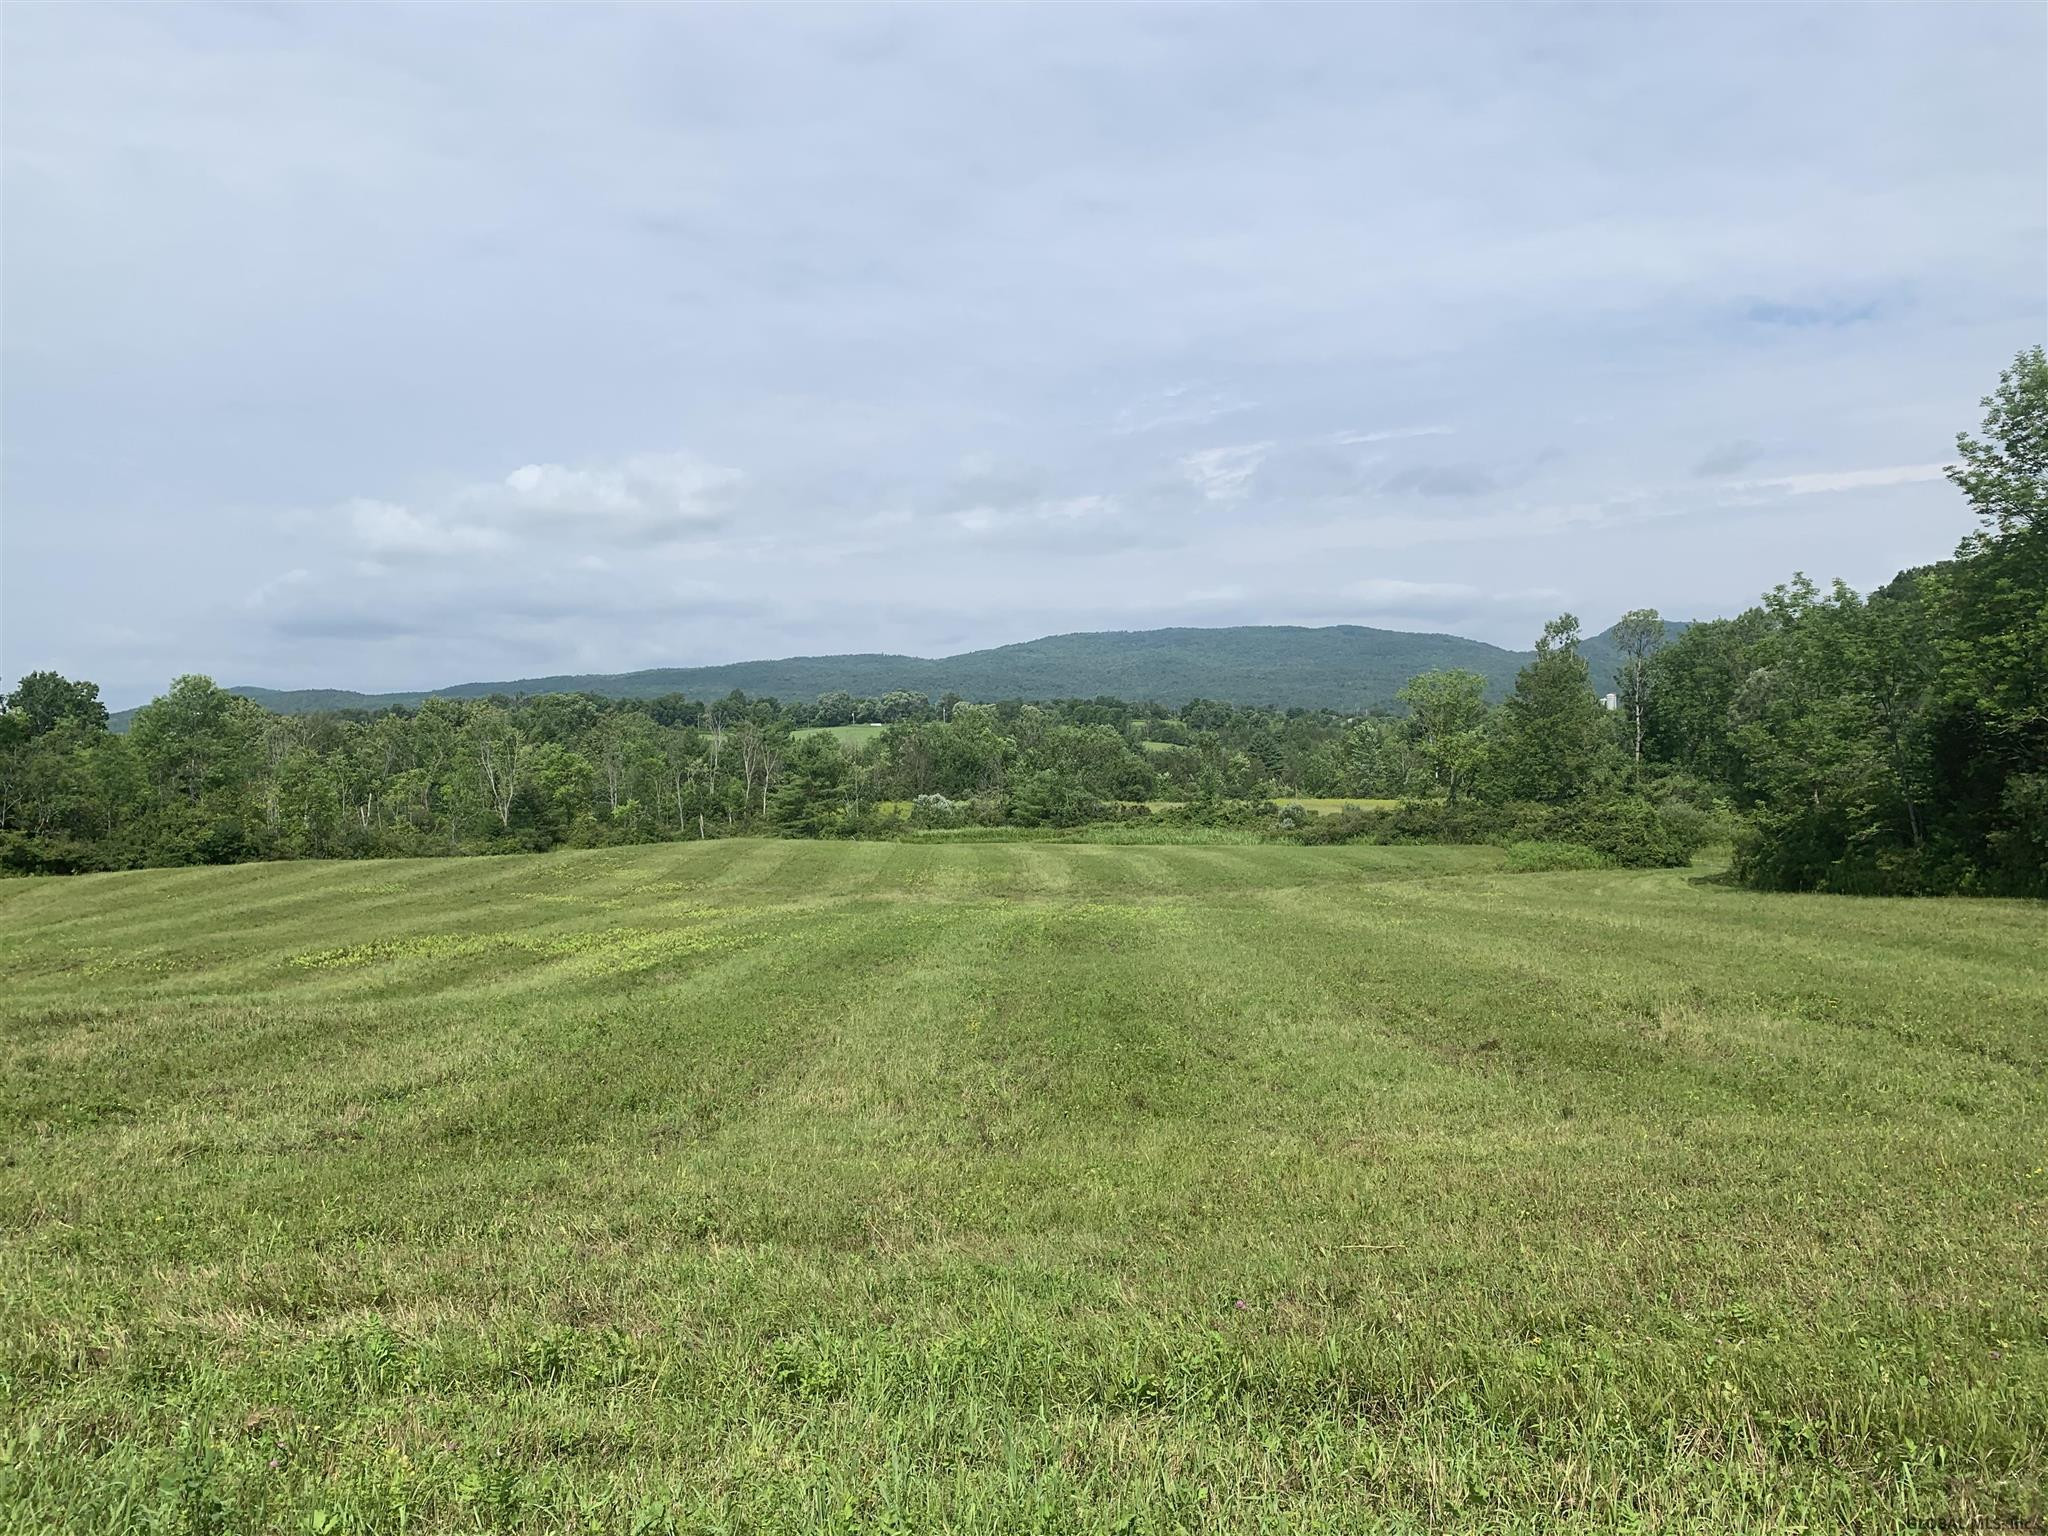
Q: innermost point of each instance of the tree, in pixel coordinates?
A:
(198, 740)
(1638, 636)
(1829, 727)
(559, 785)
(1693, 685)
(1993, 599)
(1050, 798)
(808, 800)
(902, 704)
(499, 747)
(1447, 723)
(1380, 758)
(201, 748)
(754, 752)
(1553, 732)
(41, 701)
(2005, 473)
(1990, 613)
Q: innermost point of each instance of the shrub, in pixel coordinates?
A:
(1438, 821)
(2020, 847)
(21, 854)
(1350, 825)
(1220, 813)
(1050, 798)
(937, 811)
(1630, 831)
(1534, 857)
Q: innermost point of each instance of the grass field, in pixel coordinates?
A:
(885, 1187)
(1322, 805)
(1327, 805)
(848, 736)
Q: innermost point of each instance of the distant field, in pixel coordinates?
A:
(1322, 806)
(1327, 805)
(845, 735)
(799, 1187)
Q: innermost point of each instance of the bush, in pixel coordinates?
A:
(1806, 851)
(1220, 813)
(1050, 798)
(21, 854)
(1350, 825)
(936, 811)
(1535, 857)
(1631, 831)
(1438, 821)
(2020, 847)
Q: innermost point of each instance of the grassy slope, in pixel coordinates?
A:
(1340, 666)
(798, 1186)
(845, 735)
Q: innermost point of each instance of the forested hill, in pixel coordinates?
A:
(1344, 666)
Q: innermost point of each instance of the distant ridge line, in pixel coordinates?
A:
(1346, 667)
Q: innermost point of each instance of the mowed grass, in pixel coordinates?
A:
(848, 736)
(778, 1186)
(1328, 805)
(1322, 805)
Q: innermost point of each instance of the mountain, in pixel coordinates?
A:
(1344, 666)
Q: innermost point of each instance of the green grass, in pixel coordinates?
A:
(1534, 857)
(1328, 805)
(848, 736)
(1105, 833)
(776, 1186)
(1322, 804)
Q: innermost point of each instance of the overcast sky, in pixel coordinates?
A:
(381, 347)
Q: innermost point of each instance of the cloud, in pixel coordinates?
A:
(1829, 313)
(649, 498)
(324, 624)
(1225, 474)
(1390, 434)
(386, 528)
(1445, 480)
(298, 576)
(1845, 480)
(1727, 459)
(1391, 590)
(1182, 405)
(1038, 258)
(1316, 472)
(1051, 513)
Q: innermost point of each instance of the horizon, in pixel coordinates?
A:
(431, 689)
(346, 348)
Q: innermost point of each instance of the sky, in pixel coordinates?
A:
(383, 347)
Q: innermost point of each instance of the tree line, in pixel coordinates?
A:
(1894, 742)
